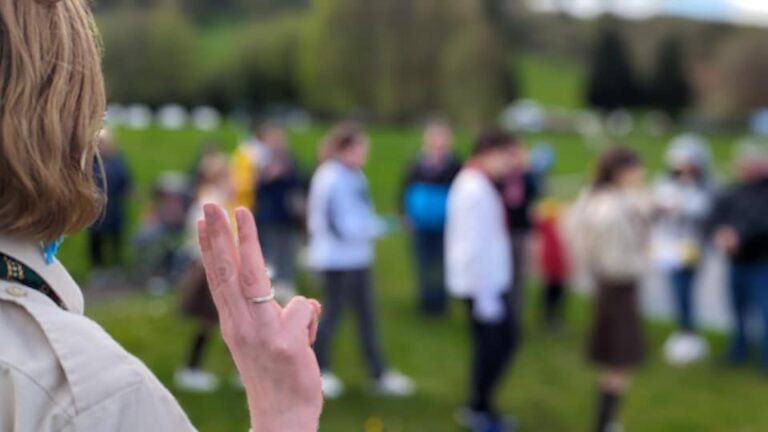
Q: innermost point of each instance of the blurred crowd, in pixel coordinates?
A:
(476, 226)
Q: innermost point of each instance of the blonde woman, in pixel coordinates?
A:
(213, 186)
(59, 371)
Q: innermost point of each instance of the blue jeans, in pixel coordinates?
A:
(749, 288)
(429, 249)
(681, 281)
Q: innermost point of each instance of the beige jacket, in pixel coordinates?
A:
(60, 371)
(609, 231)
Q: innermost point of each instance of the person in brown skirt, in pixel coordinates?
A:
(213, 186)
(610, 229)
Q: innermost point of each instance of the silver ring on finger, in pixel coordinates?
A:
(262, 299)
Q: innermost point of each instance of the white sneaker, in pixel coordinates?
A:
(332, 386)
(685, 348)
(196, 380)
(697, 347)
(395, 384)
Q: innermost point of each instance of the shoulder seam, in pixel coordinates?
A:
(69, 412)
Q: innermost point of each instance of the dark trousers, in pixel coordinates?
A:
(749, 288)
(352, 288)
(280, 244)
(553, 295)
(101, 240)
(199, 343)
(429, 249)
(681, 281)
(519, 240)
(492, 348)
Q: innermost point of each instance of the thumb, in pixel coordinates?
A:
(301, 316)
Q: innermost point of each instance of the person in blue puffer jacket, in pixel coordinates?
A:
(423, 203)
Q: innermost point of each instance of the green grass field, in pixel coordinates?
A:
(549, 388)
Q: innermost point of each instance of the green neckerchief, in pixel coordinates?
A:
(14, 271)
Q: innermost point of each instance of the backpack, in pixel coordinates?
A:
(426, 205)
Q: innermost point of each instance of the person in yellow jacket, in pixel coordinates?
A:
(244, 169)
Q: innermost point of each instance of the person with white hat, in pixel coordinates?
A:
(683, 197)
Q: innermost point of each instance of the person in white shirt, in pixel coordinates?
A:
(343, 227)
(478, 269)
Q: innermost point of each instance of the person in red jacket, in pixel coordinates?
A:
(552, 260)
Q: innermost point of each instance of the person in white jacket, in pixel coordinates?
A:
(343, 228)
(478, 269)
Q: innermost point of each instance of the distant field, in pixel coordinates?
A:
(551, 83)
(550, 387)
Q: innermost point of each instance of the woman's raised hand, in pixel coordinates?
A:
(270, 344)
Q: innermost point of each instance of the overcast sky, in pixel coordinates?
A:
(752, 12)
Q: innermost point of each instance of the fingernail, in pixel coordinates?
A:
(208, 210)
(239, 216)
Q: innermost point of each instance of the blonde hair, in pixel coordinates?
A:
(51, 109)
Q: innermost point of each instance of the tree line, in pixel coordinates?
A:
(384, 60)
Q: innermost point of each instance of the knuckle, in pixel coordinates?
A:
(240, 337)
(248, 278)
(225, 274)
(223, 271)
(281, 349)
(300, 303)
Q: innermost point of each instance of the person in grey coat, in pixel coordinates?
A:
(682, 197)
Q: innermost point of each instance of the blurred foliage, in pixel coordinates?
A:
(473, 72)
(249, 68)
(150, 57)
(669, 89)
(616, 82)
(401, 60)
(397, 59)
(268, 53)
(743, 63)
(612, 82)
(254, 67)
(207, 11)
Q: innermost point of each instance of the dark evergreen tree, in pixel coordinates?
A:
(668, 89)
(612, 83)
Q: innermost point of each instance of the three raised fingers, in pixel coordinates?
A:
(238, 273)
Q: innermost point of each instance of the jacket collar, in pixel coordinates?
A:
(55, 275)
